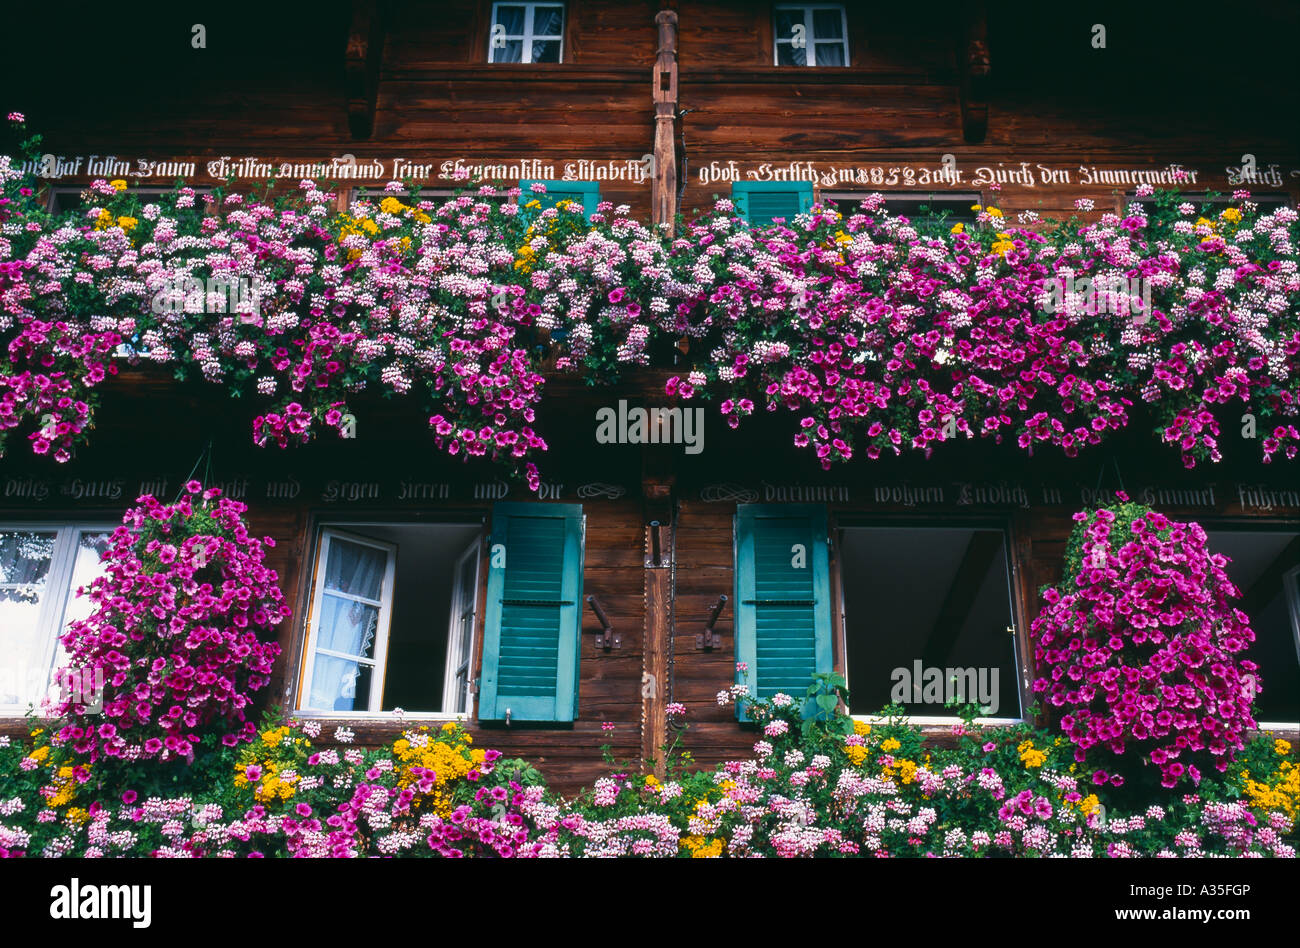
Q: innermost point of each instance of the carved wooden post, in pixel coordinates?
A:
(663, 187)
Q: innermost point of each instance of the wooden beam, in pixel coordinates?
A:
(1269, 582)
(663, 186)
(361, 62)
(973, 62)
(658, 640)
(962, 592)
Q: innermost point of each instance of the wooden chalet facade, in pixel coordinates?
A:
(627, 549)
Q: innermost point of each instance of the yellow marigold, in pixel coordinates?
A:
(1231, 214)
(390, 205)
(651, 780)
(976, 208)
(958, 228)
(889, 745)
(1281, 747)
(103, 219)
(127, 223)
(842, 238)
(533, 204)
(40, 753)
(422, 217)
(907, 770)
(449, 726)
(856, 754)
(118, 184)
(861, 728)
(77, 815)
(993, 212)
(1088, 803)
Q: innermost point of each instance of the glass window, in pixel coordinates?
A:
(921, 209)
(811, 35)
(526, 33)
(928, 617)
(41, 570)
(1265, 566)
(392, 619)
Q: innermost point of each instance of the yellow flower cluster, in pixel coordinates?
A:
(450, 761)
(701, 848)
(105, 220)
(275, 782)
(1003, 245)
(1029, 756)
(1231, 214)
(1283, 793)
(65, 786)
(857, 754)
(889, 745)
(526, 256)
(119, 184)
(861, 728)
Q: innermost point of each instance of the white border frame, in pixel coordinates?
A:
(379, 664)
(455, 659)
(50, 621)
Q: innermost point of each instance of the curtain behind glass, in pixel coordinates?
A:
(25, 558)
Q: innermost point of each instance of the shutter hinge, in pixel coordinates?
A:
(474, 685)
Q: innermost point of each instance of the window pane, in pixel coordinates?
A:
(828, 24)
(347, 626)
(24, 565)
(918, 600)
(546, 51)
(513, 52)
(1257, 565)
(340, 685)
(548, 21)
(787, 55)
(785, 21)
(355, 569)
(85, 568)
(512, 18)
(830, 54)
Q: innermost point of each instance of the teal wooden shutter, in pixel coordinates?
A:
(586, 193)
(533, 620)
(783, 611)
(760, 201)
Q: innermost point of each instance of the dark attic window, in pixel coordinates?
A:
(810, 34)
(526, 33)
(1265, 566)
(917, 637)
(392, 619)
(923, 208)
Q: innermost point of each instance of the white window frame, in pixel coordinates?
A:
(944, 720)
(811, 37)
(528, 36)
(459, 658)
(58, 593)
(374, 711)
(379, 664)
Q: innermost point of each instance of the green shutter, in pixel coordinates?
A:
(783, 612)
(533, 621)
(586, 193)
(760, 201)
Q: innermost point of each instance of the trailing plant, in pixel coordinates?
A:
(874, 334)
